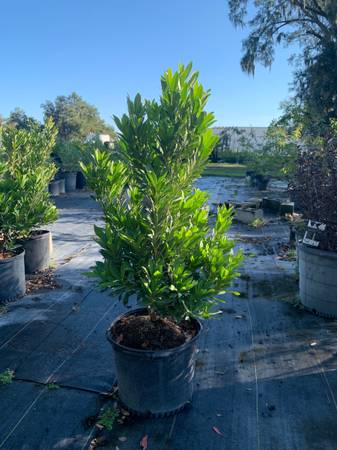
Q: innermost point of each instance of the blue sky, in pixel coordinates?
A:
(106, 49)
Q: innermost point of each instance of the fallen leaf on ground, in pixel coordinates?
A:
(217, 431)
(143, 442)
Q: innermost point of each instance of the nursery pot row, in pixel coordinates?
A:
(155, 382)
(31, 256)
(67, 182)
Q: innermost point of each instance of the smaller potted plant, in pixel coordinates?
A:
(26, 171)
(274, 158)
(69, 153)
(314, 189)
(12, 265)
(157, 243)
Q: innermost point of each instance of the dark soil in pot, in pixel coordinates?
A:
(160, 333)
(12, 275)
(38, 248)
(155, 376)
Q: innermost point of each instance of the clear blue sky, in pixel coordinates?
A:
(106, 49)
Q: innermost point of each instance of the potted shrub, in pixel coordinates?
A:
(314, 190)
(86, 151)
(12, 265)
(26, 170)
(157, 243)
(274, 158)
(69, 154)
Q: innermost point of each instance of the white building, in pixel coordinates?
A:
(235, 138)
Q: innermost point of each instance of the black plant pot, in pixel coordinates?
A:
(38, 248)
(250, 173)
(261, 182)
(12, 276)
(155, 382)
(70, 181)
(54, 187)
(81, 182)
(62, 185)
(318, 281)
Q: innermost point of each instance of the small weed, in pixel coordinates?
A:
(6, 377)
(108, 418)
(252, 255)
(3, 310)
(257, 223)
(52, 386)
(292, 254)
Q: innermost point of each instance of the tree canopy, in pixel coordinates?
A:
(20, 120)
(74, 117)
(310, 23)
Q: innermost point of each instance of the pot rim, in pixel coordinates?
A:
(317, 251)
(19, 253)
(34, 237)
(40, 234)
(159, 353)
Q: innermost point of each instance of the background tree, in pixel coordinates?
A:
(74, 118)
(315, 86)
(310, 24)
(19, 119)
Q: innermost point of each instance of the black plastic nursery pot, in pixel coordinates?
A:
(62, 185)
(261, 182)
(12, 276)
(38, 249)
(318, 280)
(155, 382)
(54, 187)
(81, 182)
(70, 181)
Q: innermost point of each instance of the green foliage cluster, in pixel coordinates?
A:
(276, 157)
(25, 171)
(70, 154)
(108, 418)
(6, 377)
(157, 242)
